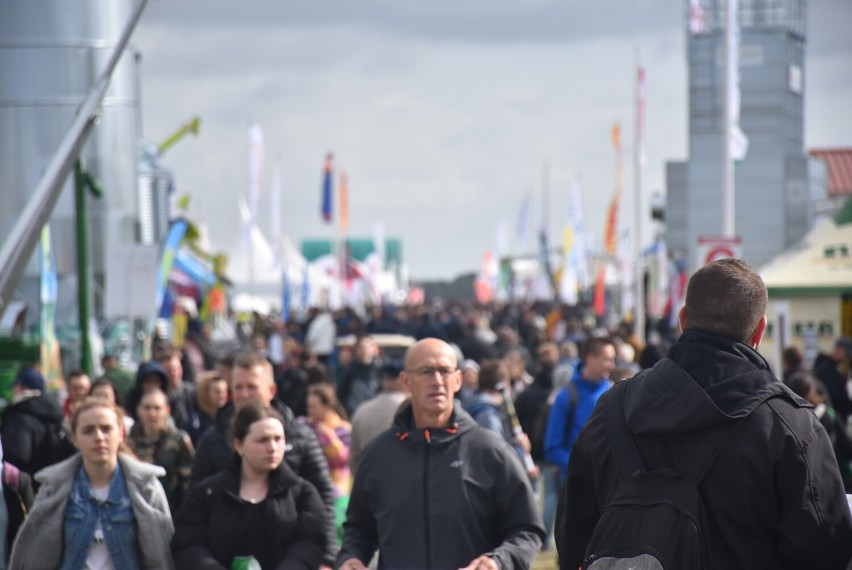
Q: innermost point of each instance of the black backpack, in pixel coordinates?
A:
(57, 445)
(540, 427)
(654, 519)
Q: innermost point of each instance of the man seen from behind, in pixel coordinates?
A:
(773, 497)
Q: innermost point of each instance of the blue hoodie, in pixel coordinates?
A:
(559, 437)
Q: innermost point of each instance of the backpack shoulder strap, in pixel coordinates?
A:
(624, 451)
(573, 399)
(695, 464)
(11, 476)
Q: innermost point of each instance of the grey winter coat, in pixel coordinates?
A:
(40, 541)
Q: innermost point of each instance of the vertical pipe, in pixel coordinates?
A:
(639, 274)
(83, 273)
(728, 191)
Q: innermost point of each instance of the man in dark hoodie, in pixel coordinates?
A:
(149, 375)
(253, 379)
(773, 496)
(32, 432)
(436, 490)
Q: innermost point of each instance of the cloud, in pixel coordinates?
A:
(472, 21)
(443, 114)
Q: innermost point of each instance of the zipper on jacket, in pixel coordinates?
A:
(427, 533)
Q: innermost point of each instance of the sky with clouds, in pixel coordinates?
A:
(442, 113)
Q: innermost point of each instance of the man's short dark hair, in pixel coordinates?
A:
(595, 345)
(165, 351)
(492, 373)
(726, 297)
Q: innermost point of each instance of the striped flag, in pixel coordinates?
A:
(328, 173)
(344, 202)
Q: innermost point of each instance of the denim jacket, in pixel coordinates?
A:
(117, 521)
(42, 545)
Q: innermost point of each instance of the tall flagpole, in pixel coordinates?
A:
(638, 151)
(728, 190)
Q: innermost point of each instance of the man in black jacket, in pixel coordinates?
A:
(832, 370)
(437, 490)
(32, 430)
(253, 380)
(773, 496)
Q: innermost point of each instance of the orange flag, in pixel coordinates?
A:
(600, 293)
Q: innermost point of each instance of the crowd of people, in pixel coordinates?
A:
(489, 440)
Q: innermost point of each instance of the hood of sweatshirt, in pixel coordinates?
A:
(706, 380)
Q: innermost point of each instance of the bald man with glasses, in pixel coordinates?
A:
(437, 490)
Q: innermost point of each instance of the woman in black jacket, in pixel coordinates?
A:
(257, 507)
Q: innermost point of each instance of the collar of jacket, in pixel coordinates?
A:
(460, 422)
(280, 480)
(62, 474)
(710, 358)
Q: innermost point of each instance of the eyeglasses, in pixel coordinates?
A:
(430, 371)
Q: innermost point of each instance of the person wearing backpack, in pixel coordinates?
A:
(32, 429)
(706, 460)
(570, 411)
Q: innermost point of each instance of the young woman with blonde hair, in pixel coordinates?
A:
(100, 508)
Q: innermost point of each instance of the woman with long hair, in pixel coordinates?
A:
(100, 508)
(257, 507)
(327, 418)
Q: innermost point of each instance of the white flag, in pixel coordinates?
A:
(256, 155)
(739, 142)
(276, 217)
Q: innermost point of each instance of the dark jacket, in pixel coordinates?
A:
(183, 401)
(150, 368)
(18, 494)
(826, 371)
(26, 441)
(284, 531)
(530, 404)
(440, 498)
(773, 497)
(361, 382)
(302, 454)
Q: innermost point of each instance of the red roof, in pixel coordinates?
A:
(839, 161)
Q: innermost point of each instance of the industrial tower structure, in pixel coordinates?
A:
(777, 184)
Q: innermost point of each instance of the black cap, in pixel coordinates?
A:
(392, 369)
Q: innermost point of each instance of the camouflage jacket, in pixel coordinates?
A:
(173, 452)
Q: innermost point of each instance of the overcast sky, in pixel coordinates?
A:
(443, 113)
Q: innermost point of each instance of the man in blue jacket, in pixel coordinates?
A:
(574, 404)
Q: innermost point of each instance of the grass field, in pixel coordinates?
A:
(546, 561)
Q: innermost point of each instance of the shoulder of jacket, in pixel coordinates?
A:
(59, 472)
(139, 471)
